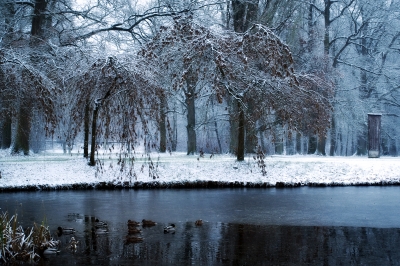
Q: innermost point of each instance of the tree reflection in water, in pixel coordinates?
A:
(236, 244)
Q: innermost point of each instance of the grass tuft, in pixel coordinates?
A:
(17, 244)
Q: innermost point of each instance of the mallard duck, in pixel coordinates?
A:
(100, 224)
(169, 229)
(148, 223)
(51, 251)
(99, 231)
(73, 244)
(51, 246)
(199, 222)
(65, 231)
(133, 223)
(134, 230)
(133, 239)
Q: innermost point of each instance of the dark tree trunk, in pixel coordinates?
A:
(332, 149)
(321, 145)
(362, 142)
(393, 148)
(98, 102)
(311, 30)
(86, 129)
(244, 14)
(6, 133)
(174, 141)
(298, 143)
(374, 135)
(385, 146)
(216, 127)
(312, 145)
(39, 17)
(239, 11)
(250, 130)
(23, 130)
(191, 82)
(191, 122)
(92, 161)
(365, 93)
(240, 148)
(279, 147)
(290, 145)
(163, 126)
(262, 141)
(233, 126)
(327, 20)
(320, 149)
(22, 137)
(9, 12)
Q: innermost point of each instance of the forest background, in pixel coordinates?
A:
(238, 77)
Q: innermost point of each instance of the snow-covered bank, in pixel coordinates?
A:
(59, 171)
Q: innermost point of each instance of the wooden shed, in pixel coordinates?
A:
(374, 135)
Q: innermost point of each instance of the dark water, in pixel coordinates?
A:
(299, 226)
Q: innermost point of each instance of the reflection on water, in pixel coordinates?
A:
(236, 244)
(315, 226)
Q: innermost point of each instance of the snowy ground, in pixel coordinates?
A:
(57, 170)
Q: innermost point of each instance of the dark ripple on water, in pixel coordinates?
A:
(235, 244)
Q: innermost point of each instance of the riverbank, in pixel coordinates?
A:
(52, 170)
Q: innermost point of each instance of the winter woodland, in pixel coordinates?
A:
(198, 76)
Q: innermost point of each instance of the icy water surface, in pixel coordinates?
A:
(312, 226)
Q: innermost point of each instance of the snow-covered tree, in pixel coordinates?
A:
(123, 96)
(254, 66)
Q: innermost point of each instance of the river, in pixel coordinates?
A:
(289, 226)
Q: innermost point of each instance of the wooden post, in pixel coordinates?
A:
(374, 135)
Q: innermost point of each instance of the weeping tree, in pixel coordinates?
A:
(23, 91)
(178, 56)
(6, 107)
(123, 103)
(252, 67)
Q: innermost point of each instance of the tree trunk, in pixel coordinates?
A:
(298, 143)
(233, 126)
(311, 30)
(39, 18)
(240, 148)
(312, 145)
(191, 115)
(6, 133)
(327, 20)
(362, 141)
(162, 125)
(375, 142)
(216, 127)
(364, 93)
(23, 130)
(320, 149)
(393, 148)
(279, 147)
(22, 137)
(92, 161)
(86, 129)
(174, 142)
(239, 18)
(290, 145)
(250, 130)
(332, 149)
(244, 14)
(321, 145)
